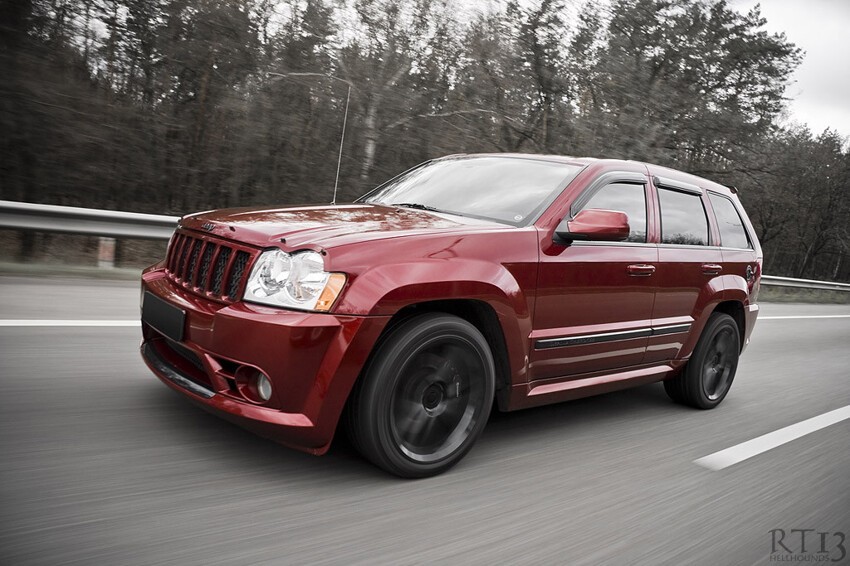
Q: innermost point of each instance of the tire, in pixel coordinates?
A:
(708, 375)
(424, 397)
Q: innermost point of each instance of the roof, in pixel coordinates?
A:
(653, 169)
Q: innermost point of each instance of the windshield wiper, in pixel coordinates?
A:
(417, 206)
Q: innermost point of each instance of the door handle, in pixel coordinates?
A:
(640, 270)
(711, 268)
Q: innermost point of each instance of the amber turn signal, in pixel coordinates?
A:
(333, 288)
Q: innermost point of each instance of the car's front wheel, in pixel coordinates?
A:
(424, 397)
(708, 375)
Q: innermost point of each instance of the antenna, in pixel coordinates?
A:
(341, 140)
(344, 119)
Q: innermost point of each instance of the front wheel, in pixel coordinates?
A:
(424, 397)
(708, 375)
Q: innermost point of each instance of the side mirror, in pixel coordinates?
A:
(595, 224)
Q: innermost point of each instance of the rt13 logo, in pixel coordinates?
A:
(806, 545)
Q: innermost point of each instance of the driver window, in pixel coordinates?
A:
(624, 197)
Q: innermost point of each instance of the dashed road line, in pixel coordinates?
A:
(791, 317)
(771, 440)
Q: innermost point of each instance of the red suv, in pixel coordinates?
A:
(466, 281)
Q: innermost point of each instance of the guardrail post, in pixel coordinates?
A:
(106, 252)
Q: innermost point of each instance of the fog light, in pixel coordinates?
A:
(263, 386)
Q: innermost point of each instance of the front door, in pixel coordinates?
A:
(594, 303)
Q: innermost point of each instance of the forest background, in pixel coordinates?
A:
(174, 106)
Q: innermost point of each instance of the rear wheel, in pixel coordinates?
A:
(708, 375)
(425, 396)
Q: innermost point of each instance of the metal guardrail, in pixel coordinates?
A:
(92, 222)
(114, 224)
(804, 283)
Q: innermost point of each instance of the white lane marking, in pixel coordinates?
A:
(756, 446)
(97, 323)
(789, 317)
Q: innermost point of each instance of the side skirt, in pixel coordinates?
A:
(548, 391)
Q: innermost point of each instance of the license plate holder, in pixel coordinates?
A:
(164, 317)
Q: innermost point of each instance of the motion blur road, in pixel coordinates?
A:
(100, 463)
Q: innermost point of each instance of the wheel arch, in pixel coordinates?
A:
(716, 296)
(735, 309)
(482, 316)
(401, 333)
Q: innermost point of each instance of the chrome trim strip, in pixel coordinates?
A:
(585, 339)
(167, 371)
(672, 329)
(591, 338)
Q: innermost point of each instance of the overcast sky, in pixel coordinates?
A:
(820, 95)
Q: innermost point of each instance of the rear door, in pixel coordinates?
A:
(689, 266)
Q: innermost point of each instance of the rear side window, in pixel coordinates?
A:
(732, 231)
(624, 197)
(683, 219)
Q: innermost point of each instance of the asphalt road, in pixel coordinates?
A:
(102, 464)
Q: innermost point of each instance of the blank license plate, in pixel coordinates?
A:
(164, 317)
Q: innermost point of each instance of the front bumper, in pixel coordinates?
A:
(311, 359)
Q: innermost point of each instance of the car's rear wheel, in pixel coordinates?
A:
(424, 397)
(708, 375)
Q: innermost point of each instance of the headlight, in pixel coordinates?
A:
(296, 280)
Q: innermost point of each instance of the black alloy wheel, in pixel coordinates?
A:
(425, 396)
(708, 375)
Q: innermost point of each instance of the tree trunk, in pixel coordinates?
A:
(370, 133)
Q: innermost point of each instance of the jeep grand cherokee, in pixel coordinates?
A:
(466, 282)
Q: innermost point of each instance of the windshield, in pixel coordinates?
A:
(505, 189)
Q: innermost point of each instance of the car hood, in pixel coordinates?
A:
(327, 226)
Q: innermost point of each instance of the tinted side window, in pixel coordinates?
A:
(732, 231)
(624, 197)
(683, 219)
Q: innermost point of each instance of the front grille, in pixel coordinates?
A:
(208, 267)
